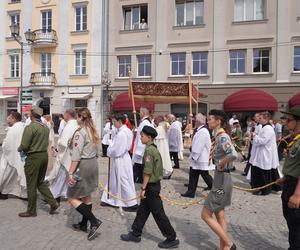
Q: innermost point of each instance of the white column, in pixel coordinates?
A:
(219, 56)
(284, 53)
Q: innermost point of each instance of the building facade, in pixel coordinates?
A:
(62, 66)
(225, 45)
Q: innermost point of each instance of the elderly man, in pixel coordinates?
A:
(59, 174)
(34, 145)
(12, 177)
(199, 157)
(139, 147)
(174, 139)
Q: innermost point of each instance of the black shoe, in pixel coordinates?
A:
(58, 199)
(131, 209)
(207, 189)
(177, 167)
(53, 208)
(243, 174)
(80, 227)
(186, 184)
(3, 196)
(169, 243)
(94, 229)
(168, 177)
(104, 204)
(188, 195)
(233, 247)
(130, 237)
(257, 193)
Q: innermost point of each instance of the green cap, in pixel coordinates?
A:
(294, 111)
(37, 110)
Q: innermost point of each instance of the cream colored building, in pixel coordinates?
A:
(226, 45)
(62, 66)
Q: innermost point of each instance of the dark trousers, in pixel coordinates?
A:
(260, 177)
(35, 171)
(153, 204)
(194, 177)
(104, 150)
(291, 215)
(248, 165)
(282, 145)
(174, 157)
(138, 172)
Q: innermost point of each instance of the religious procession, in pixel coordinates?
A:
(153, 124)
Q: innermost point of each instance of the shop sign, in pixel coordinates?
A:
(10, 91)
(80, 90)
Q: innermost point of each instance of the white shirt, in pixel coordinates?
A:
(199, 156)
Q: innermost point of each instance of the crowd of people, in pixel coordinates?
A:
(145, 154)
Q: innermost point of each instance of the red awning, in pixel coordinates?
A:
(123, 103)
(250, 100)
(295, 100)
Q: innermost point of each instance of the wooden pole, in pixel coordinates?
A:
(132, 99)
(198, 96)
(109, 162)
(190, 99)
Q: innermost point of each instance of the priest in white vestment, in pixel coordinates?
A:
(265, 160)
(121, 181)
(139, 147)
(180, 154)
(175, 139)
(59, 174)
(161, 141)
(12, 176)
(199, 157)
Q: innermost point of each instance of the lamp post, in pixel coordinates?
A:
(106, 82)
(29, 36)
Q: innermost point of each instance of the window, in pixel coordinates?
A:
(261, 60)
(135, 17)
(46, 21)
(247, 10)
(14, 18)
(297, 59)
(80, 103)
(178, 64)
(237, 61)
(189, 12)
(124, 65)
(81, 18)
(80, 62)
(144, 65)
(12, 106)
(14, 66)
(199, 63)
(15, 1)
(45, 64)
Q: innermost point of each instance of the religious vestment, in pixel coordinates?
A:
(12, 176)
(59, 174)
(175, 142)
(161, 141)
(121, 181)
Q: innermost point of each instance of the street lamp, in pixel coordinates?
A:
(29, 36)
(106, 82)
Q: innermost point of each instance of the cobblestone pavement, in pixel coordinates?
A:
(253, 222)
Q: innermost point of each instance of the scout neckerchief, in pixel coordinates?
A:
(213, 143)
(292, 143)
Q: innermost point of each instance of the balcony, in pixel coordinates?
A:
(43, 38)
(43, 80)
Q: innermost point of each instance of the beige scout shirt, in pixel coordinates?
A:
(83, 146)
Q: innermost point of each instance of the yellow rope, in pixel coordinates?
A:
(178, 203)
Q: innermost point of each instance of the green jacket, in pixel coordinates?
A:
(35, 138)
(153, 163)
(291, 165)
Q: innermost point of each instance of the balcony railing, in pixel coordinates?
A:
(44, 38)
(42, 79)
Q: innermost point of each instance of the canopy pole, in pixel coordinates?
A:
(132, 98)
(198, 96)
(190, 98)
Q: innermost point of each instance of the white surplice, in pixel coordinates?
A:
(121, 174)
(59, 173)
(139, 147)
(161, 141)
(266, 156)
(180, 154)
(199, 156)
(12, 176)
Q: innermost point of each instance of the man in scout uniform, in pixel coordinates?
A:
(291, 180)
(150, 199)
(34, 145)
